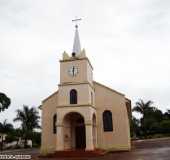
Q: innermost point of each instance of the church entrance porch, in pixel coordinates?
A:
(74, 131)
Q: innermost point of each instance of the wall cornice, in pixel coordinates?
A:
(75, 83)
(77, 59)
(76, 105)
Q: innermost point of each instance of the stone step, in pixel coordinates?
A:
(77, 153)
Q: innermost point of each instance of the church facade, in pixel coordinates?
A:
(82, 113)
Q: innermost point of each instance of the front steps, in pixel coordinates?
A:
(77, 153)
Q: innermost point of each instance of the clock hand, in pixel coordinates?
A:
(73, 70)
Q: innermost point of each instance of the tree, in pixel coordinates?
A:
(167, 115)
(36, 139)
(165, 126)
(5, 128)
(4, 102)
(156, 114)
(142, 107)
(135, 127)
(151, 118)
(14, 135)
(29, 119)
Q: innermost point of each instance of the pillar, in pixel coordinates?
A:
(96, 145)
(60, 142)
(95, 136)
(89, 137)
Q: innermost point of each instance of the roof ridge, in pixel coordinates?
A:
(109, 88)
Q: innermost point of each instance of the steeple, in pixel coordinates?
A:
(76, 44)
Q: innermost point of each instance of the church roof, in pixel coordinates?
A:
(76, 44)
(109, 88)
(56, 92)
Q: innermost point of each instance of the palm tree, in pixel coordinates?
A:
(4, 102)
(29, 119)
(143, 107)
(135, 127)
(5, 128)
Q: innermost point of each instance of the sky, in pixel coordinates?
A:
(127, 42)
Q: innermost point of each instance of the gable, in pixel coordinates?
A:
(107, 88)
(50, 97)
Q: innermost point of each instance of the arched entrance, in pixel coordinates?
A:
(74, 131)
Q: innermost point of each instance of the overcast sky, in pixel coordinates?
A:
(127, 42)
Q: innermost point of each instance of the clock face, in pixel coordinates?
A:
(73, 71)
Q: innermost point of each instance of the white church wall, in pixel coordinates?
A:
(48, 111)
(119, 139)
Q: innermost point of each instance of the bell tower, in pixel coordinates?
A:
(76, 96)
(76, 72)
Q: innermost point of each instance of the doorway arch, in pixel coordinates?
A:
(74, 131)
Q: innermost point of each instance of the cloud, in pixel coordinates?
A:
(129, 38)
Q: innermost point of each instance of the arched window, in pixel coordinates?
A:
(107, 121)
(55, 124)
(73, 96)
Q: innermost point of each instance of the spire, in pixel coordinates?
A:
(76, 44)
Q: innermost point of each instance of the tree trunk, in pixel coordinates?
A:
(25, 143)
(1, 145)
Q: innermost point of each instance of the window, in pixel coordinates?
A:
(107, 121)
(55, 124)
(73, 96)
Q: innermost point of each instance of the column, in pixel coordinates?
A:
(60, 143)
(96, 136)
(89, 137)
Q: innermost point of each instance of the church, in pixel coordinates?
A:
(82, 113)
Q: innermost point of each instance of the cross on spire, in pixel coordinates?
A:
(76, 20)
(76, 44)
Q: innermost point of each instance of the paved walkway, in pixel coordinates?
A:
(156, 149)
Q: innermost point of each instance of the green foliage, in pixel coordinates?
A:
(165, 126)
(167, 115)
(14, 135)
(155, 128)
(135, 127)
(4, 102)
(153, 121)
(142, 107)
(5, 127)
(29, 119)
(36, 139)
(10, 138)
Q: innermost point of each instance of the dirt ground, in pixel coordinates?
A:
(155, 149)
